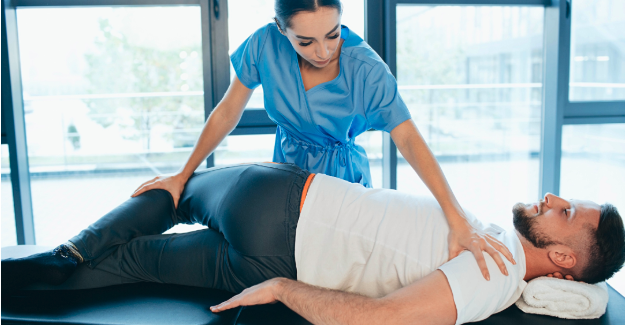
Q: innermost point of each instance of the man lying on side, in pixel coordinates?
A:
(353, 256)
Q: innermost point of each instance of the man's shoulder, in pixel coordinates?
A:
(475, 297)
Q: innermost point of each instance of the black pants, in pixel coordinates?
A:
(251, 211)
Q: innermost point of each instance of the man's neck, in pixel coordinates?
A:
(537, 262)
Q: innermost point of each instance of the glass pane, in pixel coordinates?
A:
(246, 16)
(237, 149)
(9, 236)
(372, 142)
(108, 105)
(471, 77)
(593, 168)
(597, 50)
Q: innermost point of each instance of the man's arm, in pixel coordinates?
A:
(427, 301)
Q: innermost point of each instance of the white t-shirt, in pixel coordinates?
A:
(375, 241)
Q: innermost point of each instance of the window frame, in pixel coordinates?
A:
(380, 34)
(557, 110)
(216, 79)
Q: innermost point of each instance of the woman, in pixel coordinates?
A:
(323, 86)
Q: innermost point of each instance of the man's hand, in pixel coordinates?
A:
(427, 301)
(260, 294)
(463, 236)
(173, 184)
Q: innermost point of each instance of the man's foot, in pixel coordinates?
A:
(51, 267)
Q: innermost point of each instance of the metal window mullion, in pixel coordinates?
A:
(215, 56)
(101, 3)
(13, 108)
(378, 34)
(594, 120)
(478, 2)
(207, 65)
(389, 149)
(557, 41)
(594, 109)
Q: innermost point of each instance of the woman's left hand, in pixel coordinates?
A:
(463, 236)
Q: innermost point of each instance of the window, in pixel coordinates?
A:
(9, 237)
(107, 105)
(471, 77)
(244, 18)
(597, 50)
(593, 168)
(237, 149)
(372, 142)
(593, 163)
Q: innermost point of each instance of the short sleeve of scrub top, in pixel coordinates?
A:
(245, 59)
(384, 108)
(317, 127)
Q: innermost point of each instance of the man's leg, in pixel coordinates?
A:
(234, 200)
(201, 258)
(254, 208)
(150, 213)
(251, 211)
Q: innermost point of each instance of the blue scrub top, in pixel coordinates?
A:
(316, 128)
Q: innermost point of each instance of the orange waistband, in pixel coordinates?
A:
(305, 191)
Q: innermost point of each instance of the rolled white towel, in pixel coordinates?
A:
(564, 298)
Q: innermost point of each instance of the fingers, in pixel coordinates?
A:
(228, 304)
(453, 253)
(495, 255)
(481, 262)
(143, 189)
(500, 247)
(559, 275)
(144, 186)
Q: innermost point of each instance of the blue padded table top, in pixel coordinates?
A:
(153, 303)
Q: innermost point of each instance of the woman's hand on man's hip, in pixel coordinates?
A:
(174, 184)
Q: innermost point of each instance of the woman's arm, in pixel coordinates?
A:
(462, 235)
(220, 123)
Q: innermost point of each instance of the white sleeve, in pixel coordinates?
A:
(475, 298)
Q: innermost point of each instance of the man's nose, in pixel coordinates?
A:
(551, 200)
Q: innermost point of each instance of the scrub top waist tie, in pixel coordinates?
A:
(345, 160)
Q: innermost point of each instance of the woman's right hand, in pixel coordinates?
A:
(174, 184)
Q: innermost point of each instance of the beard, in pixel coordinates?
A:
(527, 226)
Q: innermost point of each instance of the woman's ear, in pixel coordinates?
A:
(562, 256)
(279, 27)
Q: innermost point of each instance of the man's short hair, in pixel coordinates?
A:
(607, 247)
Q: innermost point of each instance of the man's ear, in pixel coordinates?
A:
(562, 256)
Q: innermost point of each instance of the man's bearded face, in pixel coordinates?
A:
(528, 225)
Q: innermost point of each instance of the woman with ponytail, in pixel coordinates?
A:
(323, 86)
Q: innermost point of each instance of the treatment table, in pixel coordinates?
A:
(153, 303)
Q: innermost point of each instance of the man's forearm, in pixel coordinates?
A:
(325, 306)
(427, 301)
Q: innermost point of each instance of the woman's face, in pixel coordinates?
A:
(315, 36)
